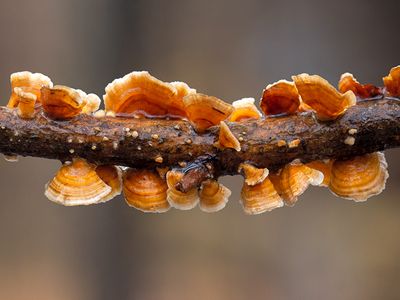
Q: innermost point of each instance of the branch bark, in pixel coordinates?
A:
(158, 143)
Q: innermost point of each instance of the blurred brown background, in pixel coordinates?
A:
(323, 248)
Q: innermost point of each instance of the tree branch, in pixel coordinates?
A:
(145, 143)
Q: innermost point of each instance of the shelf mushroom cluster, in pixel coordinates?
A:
(140, 95)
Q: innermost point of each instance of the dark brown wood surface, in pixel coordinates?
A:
(171, 143)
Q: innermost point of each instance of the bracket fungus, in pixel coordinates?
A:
(325, 167)
(61, 102)
(27, 82)
(294, 179)
(252, 174)
(213, 196)
(92, 102)
(77, 184)
(260, 198)
(164, 145)
(322, 97)
(145, 190)
(347, 82)
(226, 139)
(359, 177)
(112, 176)
(280, 97)
(26, 103)
(176, 198)
(142, 95)
(182, 89)
(244, 109)
(206, 111)
(392, 82)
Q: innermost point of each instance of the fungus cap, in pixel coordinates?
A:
(26, 103)
(61, 102)
(112, 176)
(145, 190)
(213, 196)
(347, 82)
(325, 167)
(252, 174)
(27, 82)
(244, 109)
(226, 139)
(294, 179)
(77, 184)
(322, 97)
(178, 199)
(360, 177)
(260, 198)
(142, 95)
(280, 97)
(392, 81)
(205, 111)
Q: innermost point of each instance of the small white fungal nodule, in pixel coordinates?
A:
(159, 159)
(182, 164)
(99, 114)
(134, 134)
(352, 131)
(350, 140)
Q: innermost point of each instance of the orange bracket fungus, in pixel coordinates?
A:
(360, 177)
(253, 175)
(347, 82)
(77, 183)
(226, 138)
(322, 97)
(61, 102)
(324, 166)
(145, 190)
(26, 103)
(244, 109)
(177, 199)
(392, 82)
(111, 175)
(163, 144)
(213, 196)
(280, 97)
(206, 111)
(142, 95)
(260, 198)
(294, 179)
(27, 82)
